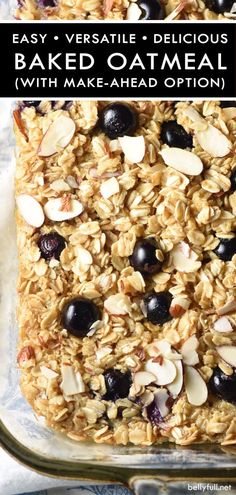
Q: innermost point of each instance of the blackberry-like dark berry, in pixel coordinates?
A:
(78, 316)
(28, 104)
(228, 104)
(117, 384)
(226, 249)
(51, 245)
(151, 10)
(144, 257)
(233, 180)
(47, 3)
(219, 6)
(223, 386)
(175, 135)
(157, 305)
(118, 119)
(154, 414)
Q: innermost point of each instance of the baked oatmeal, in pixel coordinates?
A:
(127, 268)
(125, 10)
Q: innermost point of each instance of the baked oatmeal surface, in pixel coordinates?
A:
(127, 269)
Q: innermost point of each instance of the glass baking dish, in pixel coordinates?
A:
(149, 470)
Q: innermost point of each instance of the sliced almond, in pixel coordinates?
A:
(133, 148)
(161, 398)
(195, 117)
(133, 12)
(229, 307)
(30, 210)
(60, 185)
(181, 262)
(185, 248)
(144, 378)
(188, 351)
(103, 352)
(118, 304)
(72, 383)
(165, 373)
(109, 188)
(195, 386)
(211, 139)
(107, 6)
(178, 306)
(159, 347)
(182, 160)
(181, 6)
(229, 113)
(57, 137)
(176, 386)
(214, 142)
(54, 212)
(223, 325)
(19, 122)
(228, 354)
(48, 373)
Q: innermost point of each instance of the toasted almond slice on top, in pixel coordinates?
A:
(195, 117)
(133, 12)
(223, 325)
(161, 397)
(48, 373)
(133, 148)
(72, 383)
(188, 351)
(178, 306)
(165, 372)
(57, 137)
(183, 263)
(54, 212)
(211, 139)
(182, 160)
(144, 378)
(109, 187)
(228, 307)
(31, 210)
(176, 386)
(118, 304)
(195, 386)
(214, 142)
(228, 354)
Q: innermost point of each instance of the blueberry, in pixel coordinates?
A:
(228, 104)
(226, 249)
(118, 119)
(157, 305)
(223, 386)
(117, 384)
(78, 315)
(144, 257)
(154, 414)
(28, 104)
(51, 245)
(151, 10)
(47, 3)
(66, 105)
(219, 6)
(175, 135)
(233, 180)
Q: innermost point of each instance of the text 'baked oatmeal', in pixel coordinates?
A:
(127, 260)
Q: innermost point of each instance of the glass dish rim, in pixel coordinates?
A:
(111, 473)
